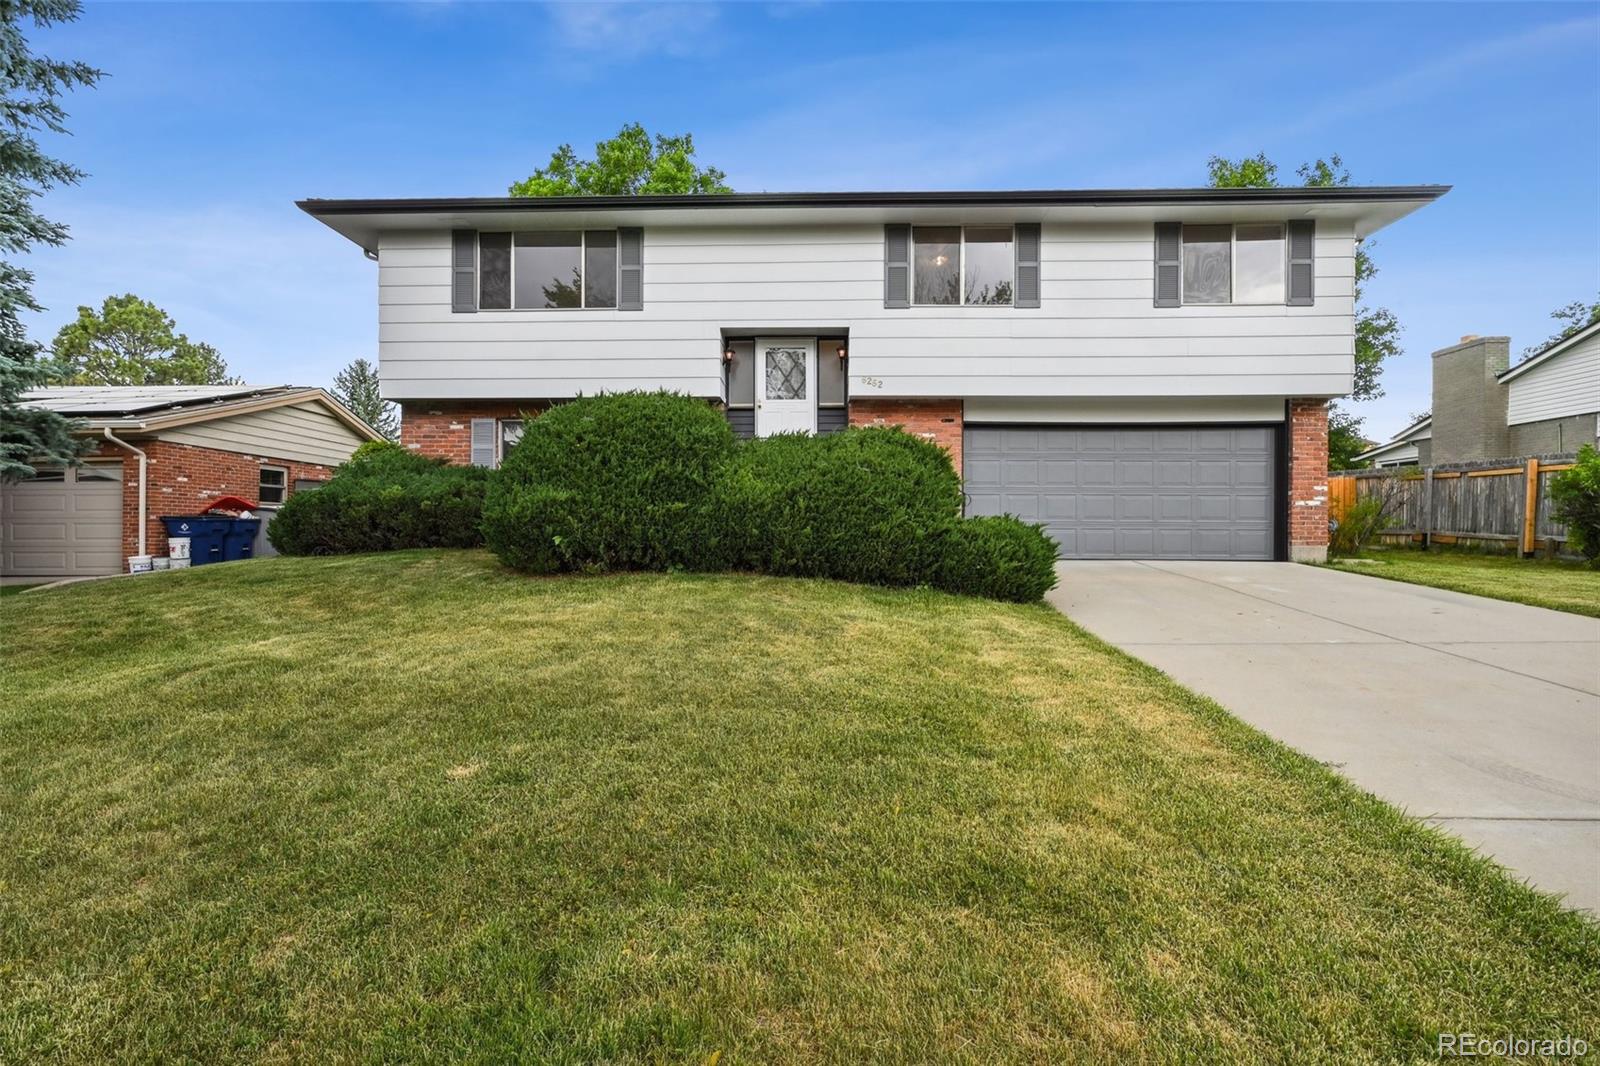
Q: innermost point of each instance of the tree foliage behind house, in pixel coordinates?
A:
(1377, 329)
(630, 164)
(356, 386)
(30, 102)
(1576, 315)
(131, 341)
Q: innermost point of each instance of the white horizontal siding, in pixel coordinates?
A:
(304, 433)
(1565, 385)
(1095, 333)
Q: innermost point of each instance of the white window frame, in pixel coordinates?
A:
(284, 488)
(961, 265)
(501, 423)
(583, 270)
(1233, 265)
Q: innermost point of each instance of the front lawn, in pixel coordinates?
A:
(1554, 583)
(412, 807)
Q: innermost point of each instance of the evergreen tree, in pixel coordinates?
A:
(30, 87)
(356, 386)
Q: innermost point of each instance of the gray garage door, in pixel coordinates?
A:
(64, 523)
(1147, 492)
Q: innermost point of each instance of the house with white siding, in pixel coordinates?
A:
(1146, 372)
(1484, 408)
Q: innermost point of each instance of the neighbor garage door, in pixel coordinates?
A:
(1141, 492)
(64, 523)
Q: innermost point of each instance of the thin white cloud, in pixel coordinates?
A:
(631, 30)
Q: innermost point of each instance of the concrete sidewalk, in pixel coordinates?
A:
(1479, 715)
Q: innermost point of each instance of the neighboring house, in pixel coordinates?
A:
(1146, 372)
(1412, 446)
(1483, 408)
(191, 443)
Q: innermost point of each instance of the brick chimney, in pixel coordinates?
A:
(1469, 403)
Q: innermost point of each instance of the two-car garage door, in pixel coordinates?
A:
(1131, 492)
(64, 523)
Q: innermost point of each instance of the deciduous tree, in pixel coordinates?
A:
(629, 164)
(130, 341)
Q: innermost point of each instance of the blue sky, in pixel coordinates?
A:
(215, 118)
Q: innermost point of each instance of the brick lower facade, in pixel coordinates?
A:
(1308, 480)
(937, 420)
(444, 430)
(183, 477)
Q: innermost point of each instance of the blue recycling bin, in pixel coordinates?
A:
(214, 538)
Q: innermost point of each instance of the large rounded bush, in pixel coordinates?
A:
(384, 499)
(861, 505)
(1002, 558)
(610, 482)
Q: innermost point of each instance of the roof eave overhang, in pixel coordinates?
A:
(1368, 209)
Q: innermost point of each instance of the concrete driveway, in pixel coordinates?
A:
(1478, 715)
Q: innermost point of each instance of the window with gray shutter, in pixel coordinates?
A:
(1302, 262)
(484, 440)
(1169, 275)
(630, 269)
(463, 270)
(1028, 249)
(896, 265)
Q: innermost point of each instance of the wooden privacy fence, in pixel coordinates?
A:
(1505, 501)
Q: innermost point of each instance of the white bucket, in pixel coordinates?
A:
(139, 564)
(179, 564)
(161, 562)
(178, 548)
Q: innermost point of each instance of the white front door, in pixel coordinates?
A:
(786, 385)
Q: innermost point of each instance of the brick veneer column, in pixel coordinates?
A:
(183, 477)
(444, 430)
(1308, 480)
(937, 420)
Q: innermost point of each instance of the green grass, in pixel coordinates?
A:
(414, 808)
(1554, 583)
(12, 590)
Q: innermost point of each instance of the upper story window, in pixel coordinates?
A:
(1238, 264)
(962, 265)
(547, 269)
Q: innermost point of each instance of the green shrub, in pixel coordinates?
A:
(1003, 558)
(611, 482)
(384, 499)
(1575, 502)
(863, 505)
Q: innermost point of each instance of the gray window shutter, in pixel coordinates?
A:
(630, 269)
(463, 270)
(1169, 250)
(483, 449)
(1302, 262)
(897, 265)
(1028, 248)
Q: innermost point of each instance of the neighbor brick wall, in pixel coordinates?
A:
(1308, 479)
(183, 477)
(937, 420)
(444, 430)
(1469, 400)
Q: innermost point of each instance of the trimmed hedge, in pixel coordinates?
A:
(654, 481)
(863, 505)
(611, 482)
(384, 499)
(1003, 558)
